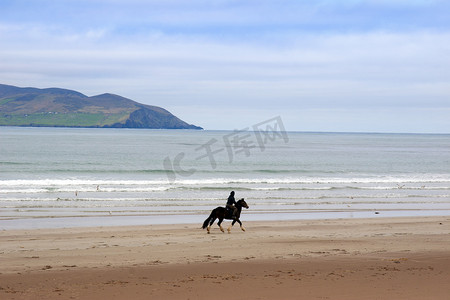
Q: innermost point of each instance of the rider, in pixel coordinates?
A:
(231, 205)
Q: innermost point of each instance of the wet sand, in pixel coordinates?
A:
(380, 258)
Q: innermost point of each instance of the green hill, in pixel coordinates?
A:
(55, 107)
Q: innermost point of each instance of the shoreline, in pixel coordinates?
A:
(148, 220)
(376, 258)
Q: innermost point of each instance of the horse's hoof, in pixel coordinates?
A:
(221, 229)
(242, 227)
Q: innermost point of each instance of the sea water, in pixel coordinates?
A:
(63, 177)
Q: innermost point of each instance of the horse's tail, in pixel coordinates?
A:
(205, 224)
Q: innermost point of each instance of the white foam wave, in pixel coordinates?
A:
(401, 179)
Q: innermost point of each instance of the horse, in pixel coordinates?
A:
(223, 213)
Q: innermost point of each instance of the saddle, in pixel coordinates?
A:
(228, 213)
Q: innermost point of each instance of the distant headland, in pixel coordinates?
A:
(56, 107)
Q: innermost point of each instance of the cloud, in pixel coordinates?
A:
(311, 70)
(250, 15)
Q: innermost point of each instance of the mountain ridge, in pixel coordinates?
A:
(57, 107)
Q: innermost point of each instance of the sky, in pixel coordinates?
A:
(321, 65)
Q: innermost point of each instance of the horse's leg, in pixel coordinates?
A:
(210, 224)
(234, 221)
(231, 225)
(240, 224)
(220, 224)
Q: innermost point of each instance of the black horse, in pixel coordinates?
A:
(223, 213)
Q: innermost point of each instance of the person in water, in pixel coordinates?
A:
(231, 202)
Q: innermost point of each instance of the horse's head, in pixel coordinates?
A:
(242, 203)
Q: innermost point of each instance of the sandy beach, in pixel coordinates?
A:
(379, 258)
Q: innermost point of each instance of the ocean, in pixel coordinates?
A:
(66, 177)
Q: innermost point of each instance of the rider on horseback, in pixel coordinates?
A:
(231, 205)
